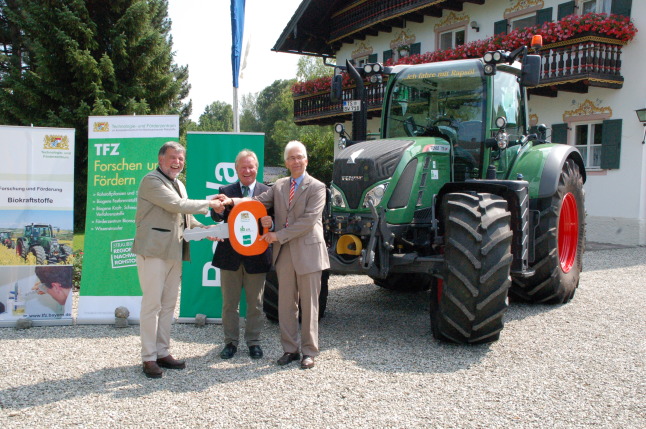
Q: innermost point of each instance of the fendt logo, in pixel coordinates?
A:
(354, 156)
(351, 178)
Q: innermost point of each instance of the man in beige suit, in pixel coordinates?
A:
(299, 253)
(163, 211)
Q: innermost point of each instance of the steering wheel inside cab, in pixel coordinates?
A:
(412, 129)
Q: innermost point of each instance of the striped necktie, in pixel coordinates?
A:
(292, 188)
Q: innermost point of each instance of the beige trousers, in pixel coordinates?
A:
(159, 280)
(292, 289)
(232, 284)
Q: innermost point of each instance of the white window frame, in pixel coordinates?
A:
(513, 22)
(587, 150)
(602, 6)
(453, 33)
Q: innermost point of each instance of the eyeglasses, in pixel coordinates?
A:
(295, 158)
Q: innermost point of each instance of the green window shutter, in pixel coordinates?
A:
(415, 48)
(611, 143)
(500, 27)
(621, 7)
(388, 54)
(559, 133)
(372, 58)
(544, 15)
(565, 9)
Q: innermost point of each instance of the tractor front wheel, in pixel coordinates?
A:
(22, 249)
(560, 242)
(39, 253)
(468, 305)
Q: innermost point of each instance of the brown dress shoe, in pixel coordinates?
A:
(152, 370)
(171, 363)
(307, 362)
(287, 358)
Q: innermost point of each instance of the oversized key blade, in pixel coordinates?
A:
(220, 231)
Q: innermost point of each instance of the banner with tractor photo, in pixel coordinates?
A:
(36, 225)
(121, 151)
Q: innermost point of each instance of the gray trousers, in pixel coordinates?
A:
(232, 284)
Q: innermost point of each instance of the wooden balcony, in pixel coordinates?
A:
(577, 64)
(573, 65)
(317, 109)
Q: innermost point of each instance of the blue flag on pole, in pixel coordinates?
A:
(237, 28)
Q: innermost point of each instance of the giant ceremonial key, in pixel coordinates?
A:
(242, 229)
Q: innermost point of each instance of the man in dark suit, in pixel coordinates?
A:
(163, 211)
(299, 253)
(237, 271)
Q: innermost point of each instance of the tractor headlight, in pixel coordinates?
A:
(337, 198)
(375, 195)
(502, 138)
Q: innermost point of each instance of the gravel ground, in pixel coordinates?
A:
(575, 365)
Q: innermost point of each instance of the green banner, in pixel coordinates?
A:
(122, 149)
(210, 161)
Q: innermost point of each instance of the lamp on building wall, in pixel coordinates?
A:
(474, 25)
(641, 115)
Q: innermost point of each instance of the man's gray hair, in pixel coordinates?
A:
(291, 145)
(245, 153)
(171, 145)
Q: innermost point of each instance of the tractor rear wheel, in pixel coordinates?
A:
(468, 305)
(402, 282)
(560, 243)
(40, 254)
(22, 249)
(270, 295)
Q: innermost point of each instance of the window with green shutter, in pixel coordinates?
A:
(565, 9)
(611, 143)
(372, 58)
(621, 7)
(544, 15)
(559, 133)
(500, 27)
(415, 48)
(388, 54)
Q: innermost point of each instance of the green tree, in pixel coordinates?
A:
(309, 68)
(218, 116)
(64, 60)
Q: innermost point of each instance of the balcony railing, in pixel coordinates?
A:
(576, 64)
(318, 109)
(572, 65)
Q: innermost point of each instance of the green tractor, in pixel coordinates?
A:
(458, 195)
(42, 243)
(6, 240)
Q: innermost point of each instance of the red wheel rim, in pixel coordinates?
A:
(568, 232)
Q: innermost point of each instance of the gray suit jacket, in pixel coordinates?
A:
(160, 218)
(305, 229)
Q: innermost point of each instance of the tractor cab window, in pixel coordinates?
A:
(507, 103)
(446, 103)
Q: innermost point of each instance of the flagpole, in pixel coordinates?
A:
(236, 118)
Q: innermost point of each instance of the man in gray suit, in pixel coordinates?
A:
(299, 253)
(163, 211)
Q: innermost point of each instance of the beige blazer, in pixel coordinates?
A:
(161, 212)
(305, 230)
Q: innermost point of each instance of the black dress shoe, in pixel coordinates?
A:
(287, 358)
(171, 363)
(255, 352)
(228, 351)
(307, 362)
(152, 370)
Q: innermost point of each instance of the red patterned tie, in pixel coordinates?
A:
(291, 191)
(291, 196)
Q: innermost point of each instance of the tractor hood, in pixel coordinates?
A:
(361, 165)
